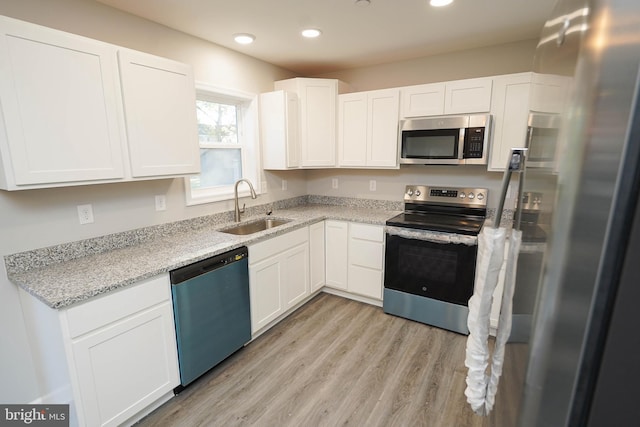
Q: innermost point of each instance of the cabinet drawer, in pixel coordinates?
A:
(375, 233)
(366, 254)
(276, 245)
(117, 305)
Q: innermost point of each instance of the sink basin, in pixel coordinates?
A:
(255, 226)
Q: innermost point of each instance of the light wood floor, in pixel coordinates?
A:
(340, 362)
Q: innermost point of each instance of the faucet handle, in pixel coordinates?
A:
(243, 206)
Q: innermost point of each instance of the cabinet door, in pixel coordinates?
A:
(296, 275)
(124, 367)
(468, 96)
(352, 129)
(160, 111)
(316, 256)
(366, 260)
(382, 129)
(510, 110)
(266, 283)
(279, 129)
(422, 100)
(318, 102)
(336, 254)
(60, 105)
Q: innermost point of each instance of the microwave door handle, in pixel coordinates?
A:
(461, 144)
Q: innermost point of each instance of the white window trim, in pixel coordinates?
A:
(250, 155)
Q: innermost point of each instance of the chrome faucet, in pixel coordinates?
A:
(238, 211)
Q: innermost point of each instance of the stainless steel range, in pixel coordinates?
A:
(430, 255)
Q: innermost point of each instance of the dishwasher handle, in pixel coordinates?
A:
(207, 265)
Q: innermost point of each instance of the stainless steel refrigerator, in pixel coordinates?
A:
(578, 364)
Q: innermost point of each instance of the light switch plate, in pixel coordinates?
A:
(284, 185)
(372, 185)
(334, 183)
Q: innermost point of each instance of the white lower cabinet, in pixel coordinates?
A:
(278, 276)
(355, 258)
(336, 241)
(316, 256)
(118, 351)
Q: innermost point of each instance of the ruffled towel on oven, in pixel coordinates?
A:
(489, 262)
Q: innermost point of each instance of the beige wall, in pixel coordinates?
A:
(488, 61)
(39, 218)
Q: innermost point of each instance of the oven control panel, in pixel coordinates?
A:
(449, 195)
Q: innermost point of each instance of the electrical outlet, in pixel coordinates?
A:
(85, 214)
(284, 185)
(334, 183)
(161, 203)
(263, 187)
(372, 185)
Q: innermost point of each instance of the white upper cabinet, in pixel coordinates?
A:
(422, 100)
(510, 111)
(159, 103)
(318, 100)
(368, 129)
(62, 117)
(454, 97)
(59, 98)
(468, 96)
(279, 130)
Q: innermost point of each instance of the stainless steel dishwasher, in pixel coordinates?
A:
(211, 311)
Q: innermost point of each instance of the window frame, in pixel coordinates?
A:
(248, 134)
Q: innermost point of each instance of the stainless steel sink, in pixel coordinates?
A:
(255, 226)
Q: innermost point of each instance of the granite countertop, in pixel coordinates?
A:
(61, 283)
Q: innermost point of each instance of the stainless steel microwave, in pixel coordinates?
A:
(445, 140)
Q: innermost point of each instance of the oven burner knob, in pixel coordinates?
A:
(471, 196)
(424, 289)
(462, 195)
(480, 196)
(409, 192)
(418, 193)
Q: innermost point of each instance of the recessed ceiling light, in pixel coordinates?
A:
(311, 33)
(439, 3)
(244, 38)
(363, 2)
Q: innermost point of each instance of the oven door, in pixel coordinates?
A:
(441, 271)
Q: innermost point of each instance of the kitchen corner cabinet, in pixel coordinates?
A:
(454, 97)
(159, 104)
(510, 111)
(62, 117)
(368, 129)
(355, 258)
(318, 99)
(279, 130)
(118, 351)
(278, 276)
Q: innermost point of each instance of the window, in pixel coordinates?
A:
(227, 132)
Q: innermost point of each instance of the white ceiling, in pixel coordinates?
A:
(353, 35)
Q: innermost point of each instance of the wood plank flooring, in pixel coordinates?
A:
(340, 362)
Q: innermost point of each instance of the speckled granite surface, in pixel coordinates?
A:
(67, 274)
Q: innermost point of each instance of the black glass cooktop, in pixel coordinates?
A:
(447, 223)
